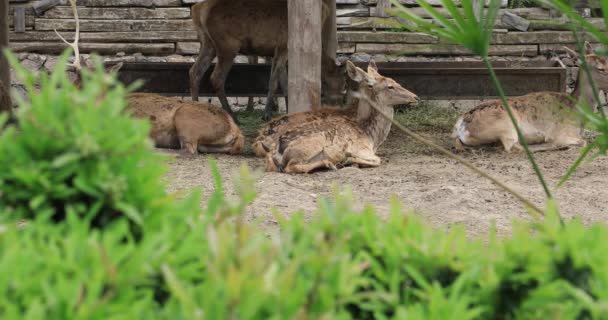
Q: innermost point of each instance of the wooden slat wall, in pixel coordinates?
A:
(163, 27)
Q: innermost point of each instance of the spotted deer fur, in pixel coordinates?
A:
(335, 138)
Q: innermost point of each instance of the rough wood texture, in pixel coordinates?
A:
(100, 48)
(119, 13)
(304, 54)
(515, 21)
(40, 7)
(5, 76)
(114, 26)
(330, 36)
(381, 6)
(19, 23)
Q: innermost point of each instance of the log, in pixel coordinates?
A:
(381, 8)
(515, 21)
(304, 48)
(114, 26)
(40, 7)
(5, 75)
(330, 31)
(19, 24)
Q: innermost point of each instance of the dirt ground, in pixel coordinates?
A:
(442, 191)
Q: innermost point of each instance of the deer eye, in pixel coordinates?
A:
(391, 87)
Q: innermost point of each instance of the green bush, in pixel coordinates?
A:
(77, 152)
(84, 174)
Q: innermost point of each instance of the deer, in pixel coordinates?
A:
(338, 138)
(251, 27)
(269, 134)
(175, 124)
(547, 119)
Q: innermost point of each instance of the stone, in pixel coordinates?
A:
(360, 57)
(32, 65)
(50, 63)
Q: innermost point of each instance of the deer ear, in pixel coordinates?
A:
(353, 72)
(115, 68)
(372, 67)
(588, 48)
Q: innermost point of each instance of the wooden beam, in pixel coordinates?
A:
(304, 48)
(5, 75)
(381, 6)
(330, 31)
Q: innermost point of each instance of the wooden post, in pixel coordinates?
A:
(330, 31)
(5, 75)
(304, 48)
(381, 6)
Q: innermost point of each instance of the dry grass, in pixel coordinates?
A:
(429, 120)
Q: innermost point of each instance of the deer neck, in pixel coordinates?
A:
(376, 126)
(583, 92)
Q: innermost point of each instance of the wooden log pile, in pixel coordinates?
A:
(163, 27)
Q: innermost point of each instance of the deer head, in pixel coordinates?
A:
(598, 66)
(382, 90)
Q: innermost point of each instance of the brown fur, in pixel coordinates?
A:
(547, 118)
(329, 138)
(190, 126)
(251, 27)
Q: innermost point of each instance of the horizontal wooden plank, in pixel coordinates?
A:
(119, 13)
(114, 26)
(538, 37)
(443, 49)
(127, 3)
(430, 80)
(503, 3)
(101, 48)
(136, 36)
(528, 13)
(385, 37)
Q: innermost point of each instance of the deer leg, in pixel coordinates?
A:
(188, 148)
(202, 63)
(308, 167)
(283, 81)
(250, 102)
(219, 75)
(509, 141)
(272, 87)
(365, 162)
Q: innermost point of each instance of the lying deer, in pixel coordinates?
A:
(251, 27)
(336, 138)
(190, 126)
(268, 136)
(547, 118)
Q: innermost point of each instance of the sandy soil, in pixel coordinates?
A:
(442, 191)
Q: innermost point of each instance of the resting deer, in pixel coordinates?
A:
(251, 27)
(190, 126)
(547, 118)
(269, 135)
(337, 138)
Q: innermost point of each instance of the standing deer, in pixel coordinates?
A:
(251, 27)
(547, 118)
(337, 138)
(190, 126)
